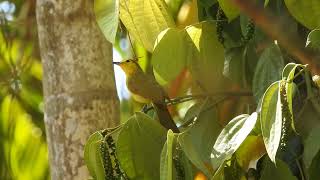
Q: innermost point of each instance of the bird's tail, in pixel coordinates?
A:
(165, 117)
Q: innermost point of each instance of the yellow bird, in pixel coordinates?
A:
(145, 89)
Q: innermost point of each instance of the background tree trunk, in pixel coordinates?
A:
(79, 86)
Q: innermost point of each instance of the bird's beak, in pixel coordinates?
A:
(116, 63)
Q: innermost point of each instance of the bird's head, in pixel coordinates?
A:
(129, 66)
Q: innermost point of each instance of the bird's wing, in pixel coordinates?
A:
(146, 87)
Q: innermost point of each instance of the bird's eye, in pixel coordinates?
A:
(127, 60)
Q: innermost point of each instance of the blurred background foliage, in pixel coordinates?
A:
(23, 147)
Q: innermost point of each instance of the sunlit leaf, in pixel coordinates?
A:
(198, 140)
(306, 12)
(170, 54)
(232, 137)
(166, 172)
(107, 15)
(145, 19)
(314, 38)
(271, 120)
(139, 147)
(207, 60)
(250, 150)
(268, 70)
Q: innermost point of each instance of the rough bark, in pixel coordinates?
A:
(78, 80)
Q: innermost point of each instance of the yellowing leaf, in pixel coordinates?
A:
(107, 14)
(145, 19)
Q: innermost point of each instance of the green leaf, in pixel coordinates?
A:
(271, 120)
(145, 19)
(234, 65)
(229, 9)
(281, 171)
(288, 74)
(268, 70)
(198, 140)
(306, 12)
(231, 137)
(250, 150)
(169, 57)
(314, 172)
(92, 156)
(107, 15)
(207, 59)
(311, 146)
(166, 172)
(139, 147)
(314, 39)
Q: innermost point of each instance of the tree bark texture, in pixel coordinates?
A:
(78, 80)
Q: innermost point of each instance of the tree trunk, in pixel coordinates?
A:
(78, 80)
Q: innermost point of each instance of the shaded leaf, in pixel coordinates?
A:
(268, 70)
(234, 65)
(314, 172)
(107, 15)
(232, 137)
(198, 140)
(141, 136)
(311, 146)
(92, 156)
(145, 19)
(229, 9)
(271, 120)
(306, 12)
(281, 171)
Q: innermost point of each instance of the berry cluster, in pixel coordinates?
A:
(178, 165)
(220, 17)
(250, 28)
(107, 163)
(286, 116)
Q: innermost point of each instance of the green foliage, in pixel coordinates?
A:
(268, 70)
(107, 14)
(231, 137)
(305, 12)
(93, 156)
(145, 19)
(211, 64)
(139, 147)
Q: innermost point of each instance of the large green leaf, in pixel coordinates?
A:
(314, 39)
(207, 60)
(231, 137)
(271, 120)
(170, 53)
(306, 12)
(107, 15)
(281, 171)
(139, 147)
(311, 146)
(229, 9)
(314, 172)
(166, 172)
(268, 70)
(92, 156)
(145, 19)
(198, 140)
